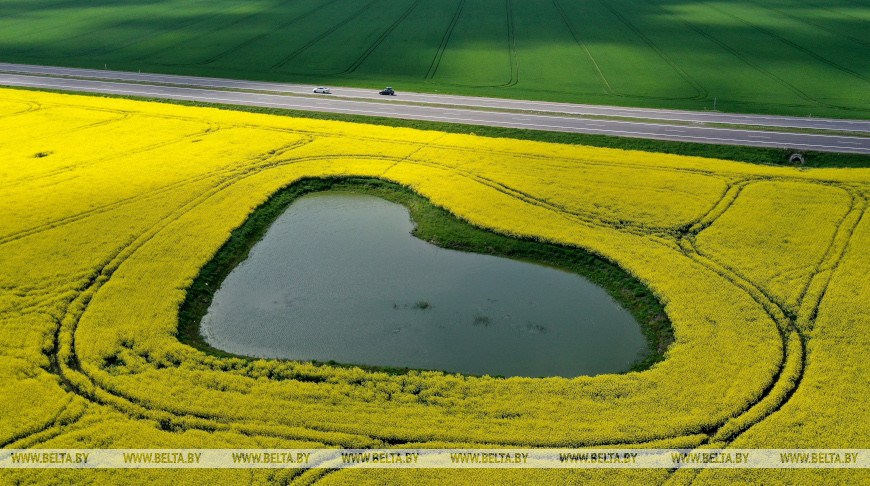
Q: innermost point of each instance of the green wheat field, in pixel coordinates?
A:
(803, 57)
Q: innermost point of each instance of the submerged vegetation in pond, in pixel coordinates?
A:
(407, 304)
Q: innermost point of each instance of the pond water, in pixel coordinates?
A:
(338, 276)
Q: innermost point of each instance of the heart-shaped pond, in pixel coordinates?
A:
(338, 276)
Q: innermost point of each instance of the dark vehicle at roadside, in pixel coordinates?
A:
(388, 91)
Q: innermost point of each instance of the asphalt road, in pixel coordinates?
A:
(561, 117)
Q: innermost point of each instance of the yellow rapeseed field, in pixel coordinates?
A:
(109, 208)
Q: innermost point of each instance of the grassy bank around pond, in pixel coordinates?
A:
(437, 226)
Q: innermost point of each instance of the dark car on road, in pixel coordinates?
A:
(388, 91)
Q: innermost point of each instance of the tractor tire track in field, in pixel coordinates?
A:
(445, 40)
(103, 123)
(153, 193)
(323, 35)
(65, 358)
(31, 106)
(595, 219)
(52, 430)
(809, 22)
(103, 274)
(53, 423)
(181, 43)
(605, 85)
(406, 158)
(573, 162)
(131, 406)
(512, 46)
(834, 252)
(39, 300)
(791, 383)
(64, 169)
(99, 209)
(786, 329)
(745, 60)
(700, 90)
(587, 218)
(513, 56)
(569, 161)
(773, 308)
(256, 38)
(26, 50)
(106, 271)
(717, 209)
(75, 366)
(837, 255)
(844, 13)
(140, 197)
(849, 228)
(791, 44)
(381, 38)
(211, 129)
(195, 20)
(114, 47)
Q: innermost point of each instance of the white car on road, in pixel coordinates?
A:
(322, 90)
